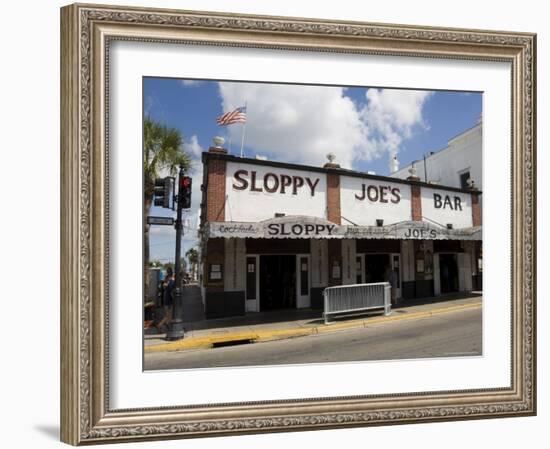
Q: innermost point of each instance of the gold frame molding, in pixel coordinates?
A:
(86, 31)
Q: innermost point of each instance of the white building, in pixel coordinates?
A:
(453, 165)
(275, 234)
(456, 165)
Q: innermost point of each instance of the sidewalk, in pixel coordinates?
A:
(276, 325)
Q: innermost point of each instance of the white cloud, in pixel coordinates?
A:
(298, 123)
(303, 123)
(391, 116)
(190, 83)
(193, 148)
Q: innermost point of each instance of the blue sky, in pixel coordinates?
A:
(362, 126)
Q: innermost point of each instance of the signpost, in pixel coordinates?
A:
(169, 221)
(176, 331)
(163, 188)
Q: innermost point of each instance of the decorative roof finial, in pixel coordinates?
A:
(413, 176)
(331, 164)
(218, 141)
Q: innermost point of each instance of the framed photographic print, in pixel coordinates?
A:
(280, 224)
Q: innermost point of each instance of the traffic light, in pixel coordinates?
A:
(163, 188)
(185, 192)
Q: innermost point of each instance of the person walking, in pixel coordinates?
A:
(391, 277)
(167, 300)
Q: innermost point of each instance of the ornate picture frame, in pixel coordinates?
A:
(87, 32)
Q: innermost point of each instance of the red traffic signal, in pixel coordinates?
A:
(185, 192)
(185, 182)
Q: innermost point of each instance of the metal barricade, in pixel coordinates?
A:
(348, 299)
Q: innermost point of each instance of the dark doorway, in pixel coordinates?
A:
(277, 282)
(448, 273)
(376, 266)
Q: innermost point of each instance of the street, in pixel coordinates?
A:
(446, 335)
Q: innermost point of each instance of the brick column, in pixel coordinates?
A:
(215, 194)
(416, 202)
(215, 306)
(476, 209)
(335, 265)
(333, 195)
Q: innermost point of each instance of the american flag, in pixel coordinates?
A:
(236, 116)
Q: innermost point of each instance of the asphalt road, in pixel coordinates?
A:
(446, 335)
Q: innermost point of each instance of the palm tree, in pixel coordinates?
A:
(162, 155)
(193, 257)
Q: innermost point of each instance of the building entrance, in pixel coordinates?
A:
(448, 273)
(376, 266)
(277, 282)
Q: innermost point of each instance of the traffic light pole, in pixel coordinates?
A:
(176, 331)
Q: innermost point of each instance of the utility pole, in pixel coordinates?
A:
(176, 331)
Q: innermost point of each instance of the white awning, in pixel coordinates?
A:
(304, 227)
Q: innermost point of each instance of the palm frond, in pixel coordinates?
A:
(163, 150)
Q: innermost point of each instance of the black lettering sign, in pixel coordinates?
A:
(372, 193)
(232, 229)
(273, 229)
(420, 233)
(240, 178)
(312, 185)
(383, 194)
(458, 206)
(285, 182)
(253, 187)
(396, 195)
(283, 230)
(272, 182)
(275, 185)
(299, 229)
(297, 182)
(447, 203)
(362, 197)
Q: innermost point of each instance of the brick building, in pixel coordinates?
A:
(274, 235)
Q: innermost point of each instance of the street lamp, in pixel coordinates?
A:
(176, 331)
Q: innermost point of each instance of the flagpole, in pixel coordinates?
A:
(243, 130)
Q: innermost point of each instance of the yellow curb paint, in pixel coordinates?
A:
(287, 333)
(279, 334)
(201, 342)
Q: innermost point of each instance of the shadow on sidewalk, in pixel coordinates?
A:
(194, 317)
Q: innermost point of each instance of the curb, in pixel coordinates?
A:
(281, 334)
